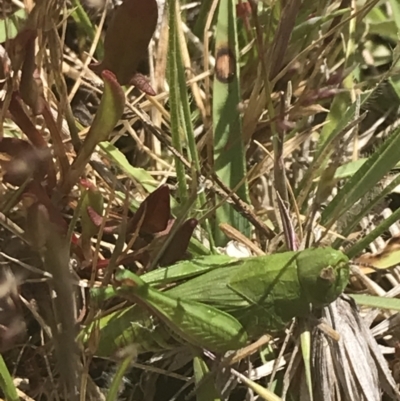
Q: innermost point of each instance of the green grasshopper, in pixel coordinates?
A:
(225, 301)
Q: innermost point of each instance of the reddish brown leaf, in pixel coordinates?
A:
(102, 264)
(87, 184)
(176, 249)
(127, 38)
(92, 202)
(96, 219)
(41, 212)
(157, 212)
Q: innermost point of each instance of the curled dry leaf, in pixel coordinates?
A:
(385, 259)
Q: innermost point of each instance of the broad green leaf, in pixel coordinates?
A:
(229, 150)
(10, 26)
(109, 112)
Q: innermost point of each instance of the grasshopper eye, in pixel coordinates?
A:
(328, 274)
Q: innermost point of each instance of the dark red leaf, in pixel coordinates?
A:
(157, 212)
(87, 184)
(97, 220)
(127, 38)
(176, 249)
(102, 264)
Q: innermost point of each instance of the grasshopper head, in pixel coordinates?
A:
(323, 274)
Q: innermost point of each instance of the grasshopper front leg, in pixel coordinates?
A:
(198, 324)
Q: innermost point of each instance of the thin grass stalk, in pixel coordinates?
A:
(174, 100)
(188, 125)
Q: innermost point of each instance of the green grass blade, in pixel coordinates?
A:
(113, 393)
(377, 302)
(83, 21)
(6, 382)
(187, 124)
(374, 169)
(395, 6)
(323, 154)
(374, 234)
(136, 173)
(205, 391)
(201, 20)
(305, 340)
(263, 392)
(354, 220)
(229, 151)
(175, 97)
